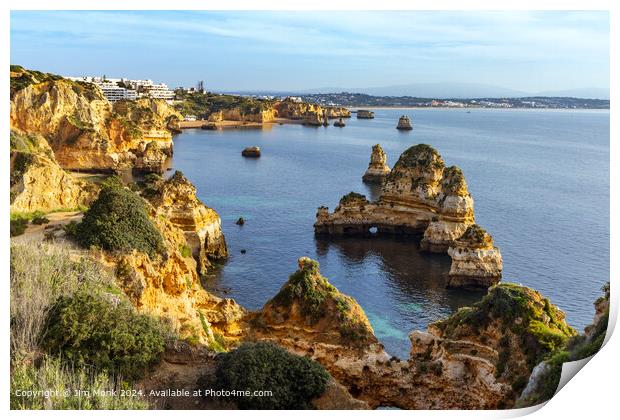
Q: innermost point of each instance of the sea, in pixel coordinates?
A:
(539, 179)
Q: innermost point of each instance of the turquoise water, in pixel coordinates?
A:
(540, 181)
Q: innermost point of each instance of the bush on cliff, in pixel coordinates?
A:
(293, 380)
(100, 331)
(118, 221)
(40, 274)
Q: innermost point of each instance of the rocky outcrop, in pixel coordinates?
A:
(175, 199)
(253, 151)
(365, 114)
(404, 123)
(311, 114)
(339, 123)
(378, 170)
(479, 358)
(239, 114)
(420, 197)
(309, 307)
(168, 285)
(86, 132)
(38, 183)
(476, 262)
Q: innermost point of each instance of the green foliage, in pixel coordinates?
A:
(40, 220)
(94, 330)
(24, 78)
(453, 180)
(475, 234)
(185, 251)
(118, 221)
(420, 155)
(71, 228)
(18, 227)
(293, 380)
(205, 104)
(352, 197)
(309, 288)
(56, 377)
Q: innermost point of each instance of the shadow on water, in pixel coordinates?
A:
(414, 281)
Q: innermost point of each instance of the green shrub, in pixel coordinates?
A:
(293, 380)
(71, 228)
(92, 330)
(18, 226)
(186, 251)
(40, 220)
(118, 221)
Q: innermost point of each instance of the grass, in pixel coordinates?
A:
(42, 275)
(98, 390)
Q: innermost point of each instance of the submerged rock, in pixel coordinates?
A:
(404, 123)
(240, 221)
(420, 197)
(253, 151)
(378, 170)
(339, 123)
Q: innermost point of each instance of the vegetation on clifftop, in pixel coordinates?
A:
(118, 221)
(293, 380)
(204, 104)
(318, 299)
(420, 155)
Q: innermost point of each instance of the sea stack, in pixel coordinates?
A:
(339, 123)
(404, 123)
(252, 152)
(378, 170)
(364, 114)
(476, 262)
(420, 197)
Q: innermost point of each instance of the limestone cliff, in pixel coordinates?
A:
(378, 170)
(404, 123)
(85, 131)
(168, 285)
(312, 114)
(238, 114)
(38, 183)
(175, 199)
(420, 197)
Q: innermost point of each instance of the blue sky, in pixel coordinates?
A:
(527, 51)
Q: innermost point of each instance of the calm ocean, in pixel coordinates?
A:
(540, 182)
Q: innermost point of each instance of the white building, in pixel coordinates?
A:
(119, 89)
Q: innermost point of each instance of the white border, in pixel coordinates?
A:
(593, 394)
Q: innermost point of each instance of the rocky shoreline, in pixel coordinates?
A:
(481, 357)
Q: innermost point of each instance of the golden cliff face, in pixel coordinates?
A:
(86, 132)
(176, 200)
(421, 196)
(169, 286)
(38, 183)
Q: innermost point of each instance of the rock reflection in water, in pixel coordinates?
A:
(415, 281)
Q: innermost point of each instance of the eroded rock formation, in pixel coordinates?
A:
(479, 358)
(420, 197)
(175, 199)
(168, 285)
(38, 183)
(404, 123)
(378, 170)
(86, 132)
(475, 260)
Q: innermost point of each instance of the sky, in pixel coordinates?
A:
(288, 51)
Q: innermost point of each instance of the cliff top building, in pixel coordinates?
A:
(118, 89)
